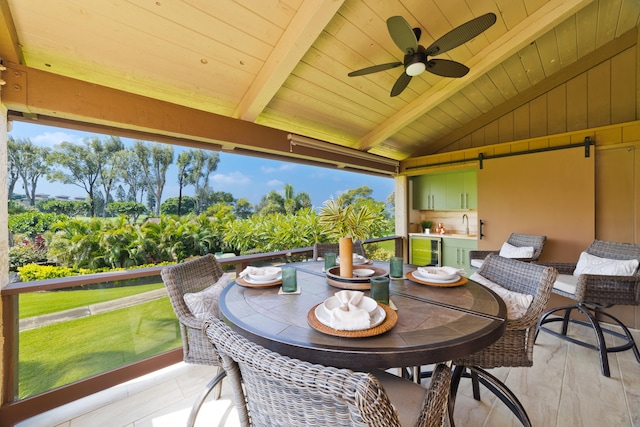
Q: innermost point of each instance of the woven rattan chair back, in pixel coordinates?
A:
(594, 294)
(515, 347)
(319, 249)
(192, 276)
(476, 257)
(523, 240)
(274, 390)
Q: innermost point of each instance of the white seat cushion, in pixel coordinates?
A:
(510, 251)
(591, 264)
(566, 283)
(205, 303)
(517, 303)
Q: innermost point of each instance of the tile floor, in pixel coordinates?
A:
(564, 388)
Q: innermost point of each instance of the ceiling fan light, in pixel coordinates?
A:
(415, 69)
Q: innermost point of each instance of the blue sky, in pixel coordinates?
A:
(242, 176)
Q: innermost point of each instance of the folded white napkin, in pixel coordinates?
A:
(249, 270)
(348, 316)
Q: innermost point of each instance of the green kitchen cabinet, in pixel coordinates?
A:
(446, 191)
(455, 253)
(429, 192)
(462, 190)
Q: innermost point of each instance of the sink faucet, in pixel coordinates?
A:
(466, 230)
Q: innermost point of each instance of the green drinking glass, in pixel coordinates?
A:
(380, 289)
(289, 279)
(329, 260)
(395, 267)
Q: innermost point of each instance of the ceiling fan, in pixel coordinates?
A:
(417, 58)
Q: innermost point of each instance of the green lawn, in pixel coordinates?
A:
(39, 303)
(65, 352)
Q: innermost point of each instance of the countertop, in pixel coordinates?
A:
(447, 236)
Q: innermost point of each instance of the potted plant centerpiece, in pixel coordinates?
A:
(346, 224)
(426, 226)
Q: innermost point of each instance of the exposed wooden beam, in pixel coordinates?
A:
(62, 99)
(538, 23)
(9, 48)
(309, 21)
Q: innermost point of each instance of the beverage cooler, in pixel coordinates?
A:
(425, 250)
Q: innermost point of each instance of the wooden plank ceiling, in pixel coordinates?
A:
(284, 63)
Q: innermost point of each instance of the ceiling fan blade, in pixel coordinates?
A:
(446, 68)
(461, 34)
(402, 34)
(374, 69)
(401, 83)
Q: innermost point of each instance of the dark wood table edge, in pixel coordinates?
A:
(384, 357)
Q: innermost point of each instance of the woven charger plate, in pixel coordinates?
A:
(413, 278)
(389, 322)
(241, 281)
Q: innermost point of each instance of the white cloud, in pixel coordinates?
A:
(275, 183)
(233, 178)
(49, 139)
(282, 168)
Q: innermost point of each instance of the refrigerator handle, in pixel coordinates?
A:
(481, 224)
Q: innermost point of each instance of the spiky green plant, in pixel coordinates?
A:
(346, 221)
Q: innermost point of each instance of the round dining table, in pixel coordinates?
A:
(433, 324)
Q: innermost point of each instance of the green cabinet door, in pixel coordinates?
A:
(438, 185)
(421, 192)
(455, 191)
(471, 189)
(455, 253)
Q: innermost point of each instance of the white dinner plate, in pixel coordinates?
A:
(324, 317)
(261, 282)
(431, 278)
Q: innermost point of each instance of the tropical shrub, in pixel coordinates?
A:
(26, 254)
(32, 272)
(76, 243)
(32, 222)
(273, 232)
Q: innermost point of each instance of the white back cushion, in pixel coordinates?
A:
(591, 264)
(205, 303)
(510, 251)
(517, 303)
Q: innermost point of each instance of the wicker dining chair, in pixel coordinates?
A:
(274, 390)
(592, 294)
(319, 249)
(476, 258)
(515, 347)
(194, 277)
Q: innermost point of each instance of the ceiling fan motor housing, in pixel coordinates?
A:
(416, 63)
